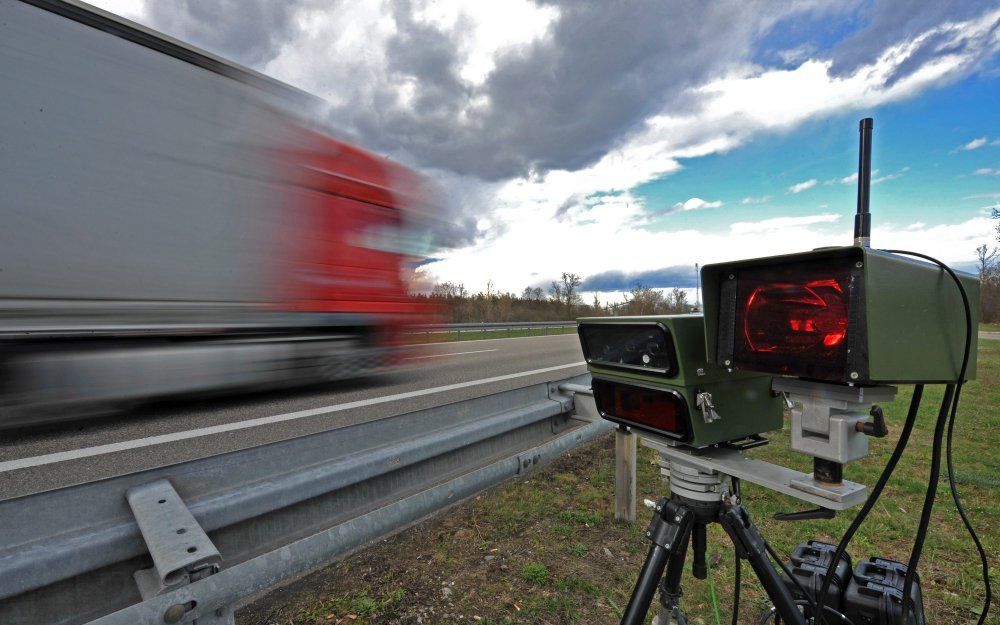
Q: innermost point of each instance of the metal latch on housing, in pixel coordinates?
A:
(704, 402)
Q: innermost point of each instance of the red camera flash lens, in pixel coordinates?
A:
(658, 410)
(795, 317)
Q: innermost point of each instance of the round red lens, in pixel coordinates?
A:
(796, 317)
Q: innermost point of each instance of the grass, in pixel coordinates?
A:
(546, 549)
(989, 327)
(476, 335)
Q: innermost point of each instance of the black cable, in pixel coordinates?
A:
(965, 519)
(784, 569)
(767, 616)
(984, 561)
(736, 589)
(929, 497)
(859, 518)
(735, 481)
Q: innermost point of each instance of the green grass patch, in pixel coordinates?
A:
(535, 572)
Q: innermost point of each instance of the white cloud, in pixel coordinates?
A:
(610, 228)
(802, 186)
(987, 171)
(781, 224)
(696, 203)
(889, 176)
(485, 30)
(610, 243)
(975, 144)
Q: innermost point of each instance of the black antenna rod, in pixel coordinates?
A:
(863, 218)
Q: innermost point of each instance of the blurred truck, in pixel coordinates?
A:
(173, 223)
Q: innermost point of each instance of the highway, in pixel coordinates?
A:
(161, 434)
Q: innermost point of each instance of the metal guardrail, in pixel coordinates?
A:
(188, 543)
(484, 328)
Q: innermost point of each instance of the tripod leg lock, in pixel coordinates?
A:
(668, 524)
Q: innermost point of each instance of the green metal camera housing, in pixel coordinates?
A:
(888, 318)
(743, 401)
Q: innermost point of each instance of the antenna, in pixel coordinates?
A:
(863, 218)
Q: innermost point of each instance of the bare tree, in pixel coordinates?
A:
(555, 291)
(989, 283)
(570, 283)
(643, 300)
(596, 305)
(986, 258)
(537, 292)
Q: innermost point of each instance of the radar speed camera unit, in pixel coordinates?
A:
(651, 373)
(848, 315)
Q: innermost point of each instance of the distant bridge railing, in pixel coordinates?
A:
(541, 327)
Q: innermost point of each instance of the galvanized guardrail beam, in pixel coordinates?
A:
(483, 328)
(68, 556)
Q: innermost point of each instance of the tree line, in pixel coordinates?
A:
(989, 277)
(560, 302)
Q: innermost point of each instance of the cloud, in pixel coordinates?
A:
(755, 200)
(777, 224)
(892, 176)
(682, 276)
(927, 29)
(853, 178)
(539, 118)
(250, 31)
(695, 203)
(975, 144)
(802, 186)
(987, 171)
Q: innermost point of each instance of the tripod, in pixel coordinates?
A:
(697, 500)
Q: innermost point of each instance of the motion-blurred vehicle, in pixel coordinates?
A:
(173, 223)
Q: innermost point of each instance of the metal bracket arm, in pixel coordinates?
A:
(181, 551)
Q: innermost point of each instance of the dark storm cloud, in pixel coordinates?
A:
(560, 103)
(893, 22)
(681, 276)
(248, 31)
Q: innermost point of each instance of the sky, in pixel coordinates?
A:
(627, 141)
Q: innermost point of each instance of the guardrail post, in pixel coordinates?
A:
(625, 451)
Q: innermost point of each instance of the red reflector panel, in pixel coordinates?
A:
(793, 320)
(658, 410)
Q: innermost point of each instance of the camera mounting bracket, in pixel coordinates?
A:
(771, 476)
(825, 416)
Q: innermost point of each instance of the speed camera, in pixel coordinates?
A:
(651, 373)
(844, 315)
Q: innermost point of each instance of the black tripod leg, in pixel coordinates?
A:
(750, 545)
(670, 586)
(668, 531)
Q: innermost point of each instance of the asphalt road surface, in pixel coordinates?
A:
(34, 460)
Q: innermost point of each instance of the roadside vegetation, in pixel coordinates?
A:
(561, 301)
(545, 549)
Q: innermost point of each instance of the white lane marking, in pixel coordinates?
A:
(100, 450)
(478, 351)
